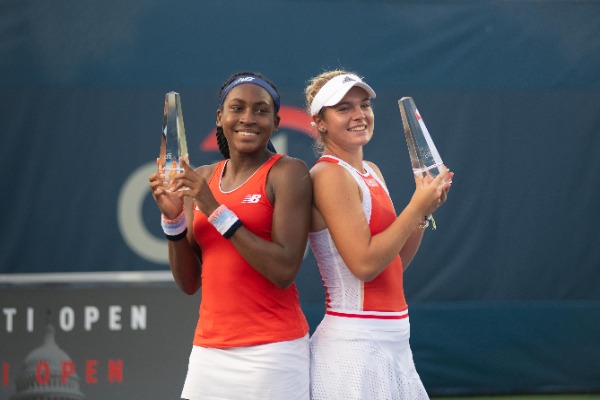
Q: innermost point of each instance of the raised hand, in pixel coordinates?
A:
(190, 183)
(169, 202)
(431, 193)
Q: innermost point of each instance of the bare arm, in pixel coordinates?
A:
(410, 248)
(279, 260)
(412, 244)
(185, 257)
(337, 198)
(184, 254)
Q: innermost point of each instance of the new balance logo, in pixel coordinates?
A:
(245, 79)
(251, 198)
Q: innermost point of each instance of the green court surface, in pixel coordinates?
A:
(526, 397)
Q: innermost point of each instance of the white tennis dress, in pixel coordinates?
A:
(359, 352)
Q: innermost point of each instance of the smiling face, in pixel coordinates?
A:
(349, 124)
(248, 118)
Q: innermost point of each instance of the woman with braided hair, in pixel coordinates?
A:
(238, 230)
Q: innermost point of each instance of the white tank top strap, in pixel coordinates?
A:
(371, 172)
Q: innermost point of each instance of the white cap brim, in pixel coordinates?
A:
(335, 89)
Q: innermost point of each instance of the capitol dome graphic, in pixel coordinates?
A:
(53, 358)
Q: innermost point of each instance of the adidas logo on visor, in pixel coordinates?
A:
(348, 79)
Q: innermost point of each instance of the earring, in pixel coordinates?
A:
(321, 130)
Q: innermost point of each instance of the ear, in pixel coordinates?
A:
(318, 123)
(219, 113)
(277, 120)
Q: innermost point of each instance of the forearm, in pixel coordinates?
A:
(411, 247)
(385, 246)
(276, 262)
(185, 265)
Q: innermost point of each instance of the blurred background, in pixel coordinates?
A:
(504, 296)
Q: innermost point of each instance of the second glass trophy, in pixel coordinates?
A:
(424, 156)
(173, 144)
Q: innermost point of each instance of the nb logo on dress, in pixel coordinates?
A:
(252, 198)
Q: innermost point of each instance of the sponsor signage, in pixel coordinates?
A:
(110, 342)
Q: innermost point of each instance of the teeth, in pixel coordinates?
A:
(358, 128)
(246, 133)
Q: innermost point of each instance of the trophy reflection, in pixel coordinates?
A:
(173, 144)
(424, 157)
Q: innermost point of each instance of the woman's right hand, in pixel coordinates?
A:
(169, 203)
(431, 193)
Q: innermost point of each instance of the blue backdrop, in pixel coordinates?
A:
(504, 295)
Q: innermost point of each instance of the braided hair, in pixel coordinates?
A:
(221, 139)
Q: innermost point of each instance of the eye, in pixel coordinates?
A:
(366, 106)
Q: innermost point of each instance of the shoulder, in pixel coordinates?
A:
(288, 165)
(289, 175)
(332, 176)
(326, 167)
(290, 162)
(206, 170)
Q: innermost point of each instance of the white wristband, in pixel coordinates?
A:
(225, 221)
(174, 227)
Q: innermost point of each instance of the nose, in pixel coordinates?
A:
(358, 113)
(247, 117)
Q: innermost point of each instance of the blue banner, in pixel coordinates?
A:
(510, 92)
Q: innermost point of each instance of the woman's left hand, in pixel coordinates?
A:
(190, 183)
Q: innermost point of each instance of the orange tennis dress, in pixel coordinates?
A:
(251, 339)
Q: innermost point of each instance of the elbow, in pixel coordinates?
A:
(287, 276)
(365, 276)
(188, 286)
(188, 289)
(284, 281)
(365, 272)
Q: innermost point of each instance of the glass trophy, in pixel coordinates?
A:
(173, 144)
(424, 157)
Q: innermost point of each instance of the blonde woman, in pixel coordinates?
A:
(360, 350)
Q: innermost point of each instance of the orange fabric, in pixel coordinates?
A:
(240, 307)
(386, 291)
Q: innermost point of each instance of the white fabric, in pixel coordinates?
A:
(274, 371)
(344, 290)
(334, 91)
(363, 359)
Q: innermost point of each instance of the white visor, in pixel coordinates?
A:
(334, 91)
